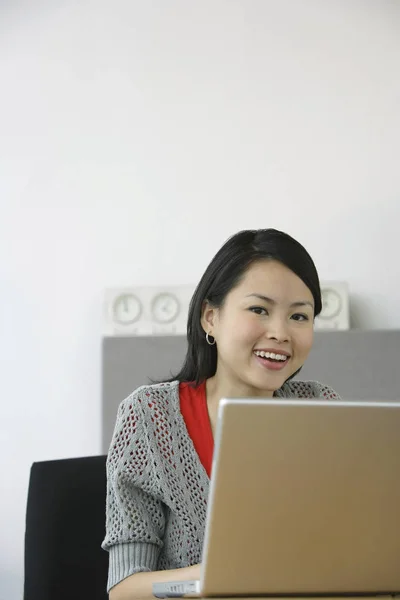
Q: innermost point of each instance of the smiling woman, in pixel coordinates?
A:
(250, 330)
(263, 331)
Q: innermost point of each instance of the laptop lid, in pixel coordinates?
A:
(304, 499)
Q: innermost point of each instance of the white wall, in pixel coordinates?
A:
(134, 138)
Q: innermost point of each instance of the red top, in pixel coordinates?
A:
(193, 403)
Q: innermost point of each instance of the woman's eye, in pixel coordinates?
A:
(259, 310)
(300, 317)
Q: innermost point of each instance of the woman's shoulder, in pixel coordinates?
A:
(150, 394)
(145, 404)
(307, 389)
(136, 415)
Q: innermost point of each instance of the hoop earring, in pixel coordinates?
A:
(208, 339)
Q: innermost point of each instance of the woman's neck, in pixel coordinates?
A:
(218, 387)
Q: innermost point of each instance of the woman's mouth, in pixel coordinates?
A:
(273, 361)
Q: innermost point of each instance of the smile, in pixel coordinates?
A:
(271, 361)
(271, 355)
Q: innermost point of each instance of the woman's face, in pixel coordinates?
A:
(264, 330)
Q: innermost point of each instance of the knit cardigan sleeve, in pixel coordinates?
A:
(135, 517)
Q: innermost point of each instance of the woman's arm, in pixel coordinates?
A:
(139, 586)
(135, 517)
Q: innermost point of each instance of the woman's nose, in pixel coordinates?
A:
(278, 330)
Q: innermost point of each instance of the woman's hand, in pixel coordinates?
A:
(140, 585)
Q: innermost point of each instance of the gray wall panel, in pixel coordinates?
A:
(357, 364)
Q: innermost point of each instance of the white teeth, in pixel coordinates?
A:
(270, 355)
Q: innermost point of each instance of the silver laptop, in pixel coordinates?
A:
(304, 500)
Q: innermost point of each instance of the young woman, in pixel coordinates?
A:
(250, 330)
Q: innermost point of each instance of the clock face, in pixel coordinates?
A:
(127, 309)
(331, 304)
(165, 308)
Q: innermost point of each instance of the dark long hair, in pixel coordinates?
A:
(225, 272)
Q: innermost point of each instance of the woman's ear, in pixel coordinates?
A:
(208, 317)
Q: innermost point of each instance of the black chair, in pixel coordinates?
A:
(65, 525)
